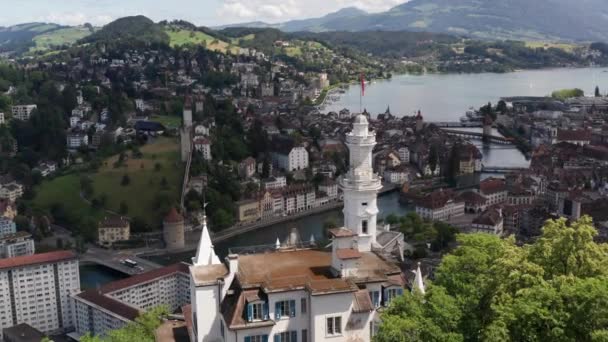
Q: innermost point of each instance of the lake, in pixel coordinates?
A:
(446, 97)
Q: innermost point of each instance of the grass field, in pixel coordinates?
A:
(167, 120)
(181, 37)
(59, 37)
(140, 195)
(546, 45)
(65, 190)
(145, 182)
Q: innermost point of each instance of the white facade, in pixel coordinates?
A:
(23, 112)
(36, 290)
(361, 185)
(7, 227)
(396, 176)
(15, 245)
(450, 210)
(2, 118)
(203, 146)
(404, 154)
(296, 159)
(275, 183)
(11, 191)
(77, 140)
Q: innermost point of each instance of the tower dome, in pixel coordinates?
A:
(361, 120)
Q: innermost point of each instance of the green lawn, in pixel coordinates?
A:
(181, 37)
(64, 190)
(140, 195)
(145, 182)
(167, 120)
(59, 37)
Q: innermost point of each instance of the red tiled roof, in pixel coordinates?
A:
(436, 199)
(472, 198)
(173, 216)
(43, 258)
(348, 253)
(145, 277)
(492, 185)
(574, 135)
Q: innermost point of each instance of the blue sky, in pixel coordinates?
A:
(200, 12)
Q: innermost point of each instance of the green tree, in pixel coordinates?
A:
(142, 330)
(551, 290)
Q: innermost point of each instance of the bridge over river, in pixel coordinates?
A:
(479, 136)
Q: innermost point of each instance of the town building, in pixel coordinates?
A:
(579, 137)
(490, 221)
(112, 229)
(112, 306)
(248, 210)
(440, 205)
(203, 146)
(8, 209)
(297, 293)
(277, 182)
(16, 244)
(11, 191)
(23, 112)
(173, 230)
(22, 333)
(46, 168)
(494, 190)
(76, 140)
(7, 226)
(397, 175)
(330, 188)
(247, 167)
(36, 290)
(2, 118)
(286, 155)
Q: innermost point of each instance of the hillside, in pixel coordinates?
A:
(133, 29)
(20, 37)
(584, 20)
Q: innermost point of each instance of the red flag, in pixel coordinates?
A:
(362, 85)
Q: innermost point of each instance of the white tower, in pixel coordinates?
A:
(361, 185)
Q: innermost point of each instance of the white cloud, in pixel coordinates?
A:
(283, 10)
(74, 18)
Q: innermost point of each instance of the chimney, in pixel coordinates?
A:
(233, 263)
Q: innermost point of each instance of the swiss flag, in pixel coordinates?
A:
(362, 84)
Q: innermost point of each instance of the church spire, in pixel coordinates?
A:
(205, 253)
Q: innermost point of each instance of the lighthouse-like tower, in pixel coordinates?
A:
(361, 185)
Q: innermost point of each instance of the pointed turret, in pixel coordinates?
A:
(418, 281)
(205, 253)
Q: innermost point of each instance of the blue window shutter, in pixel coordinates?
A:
(249, 313)
(294, 336)
(247, 338)
(292, 307)
(265, 310)
(277, 311)
(277, 338)
(264, 338)
(376, 298)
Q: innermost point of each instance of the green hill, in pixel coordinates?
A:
(133, 29)
(60, 38)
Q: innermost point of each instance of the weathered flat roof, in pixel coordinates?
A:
(172, 331)
(209, 274)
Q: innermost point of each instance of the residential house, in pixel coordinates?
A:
(276, 182)
(247, 167)
(23, 112)
(579, 137)
(440, 205)
(494, 190)
(16, 244)
(7, 226)
(113, 229)
(288, 156)
(203, 146)
(490, 221)
(77, 139)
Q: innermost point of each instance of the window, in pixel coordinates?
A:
(288, 336)
(256, 338)
(389, 294)
(304, 335)
(285, 308)
(303, 305)
(334, 325)
(375, 296)
(364, 204)
(364, 226)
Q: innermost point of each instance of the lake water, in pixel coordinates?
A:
(446, 97)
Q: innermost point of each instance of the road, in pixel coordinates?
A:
(113, 259)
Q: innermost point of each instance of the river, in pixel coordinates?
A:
(441, 97)
(446, 97)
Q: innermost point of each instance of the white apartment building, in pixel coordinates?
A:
(11, 191)
(404, 154)
(302, 295)
(7, 226)
(2, 118)
(440, 205)
(490, 221)
(398, 175)
(36, 290)
(75, 140)
(330, 188)
(23, 112)
(203, 145)
(277, 182)
(115, 304)
(17, 244)
(289, 157)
